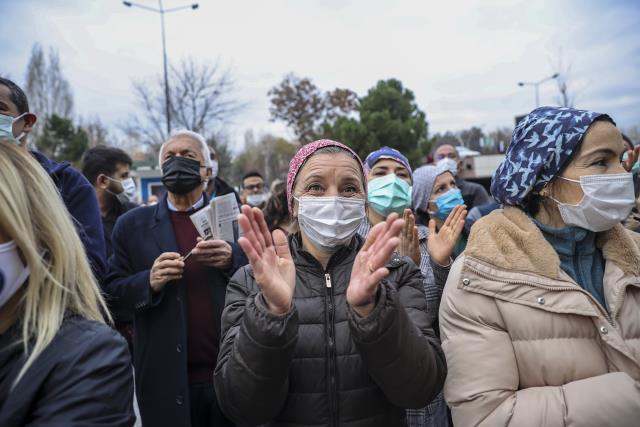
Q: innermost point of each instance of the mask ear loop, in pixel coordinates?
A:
(23, 133)
(113, 180)
(568, 204)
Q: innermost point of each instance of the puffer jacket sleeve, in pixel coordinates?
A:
(251, 377)
(482, 387)
(397, 344)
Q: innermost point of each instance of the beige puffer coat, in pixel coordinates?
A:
(526, 346)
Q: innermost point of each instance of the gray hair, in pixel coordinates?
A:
(184, 133)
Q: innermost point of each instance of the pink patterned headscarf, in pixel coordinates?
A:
(307, 151)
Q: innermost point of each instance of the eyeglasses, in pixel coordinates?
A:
(254, 187)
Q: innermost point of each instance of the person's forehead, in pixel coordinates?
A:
(122, 167)
(253, 180)
(443, 178)
(5, 98)
(330, 164)
(389, 164)
(180, 144)
(446, 149)
(602, 134)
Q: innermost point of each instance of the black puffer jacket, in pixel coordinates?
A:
(321, 364)
(82, 378)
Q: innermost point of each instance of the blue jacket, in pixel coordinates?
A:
(80, 199)
(160, 337)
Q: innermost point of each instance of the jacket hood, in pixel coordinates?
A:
(510, 240)
(51, 166)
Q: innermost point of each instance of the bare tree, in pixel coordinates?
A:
(269, 155)
(97, 132)
(303, 106)
(201, 100)
(48, 91)
(566, 92)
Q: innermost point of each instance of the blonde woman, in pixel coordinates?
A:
(60, 364)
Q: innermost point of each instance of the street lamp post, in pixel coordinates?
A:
(537, 84)
(161, 10)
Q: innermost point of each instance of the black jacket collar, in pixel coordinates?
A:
(343, 256)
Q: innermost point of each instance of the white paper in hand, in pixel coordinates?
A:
(202, 222)
(224, 212)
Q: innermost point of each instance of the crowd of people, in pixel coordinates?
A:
(360, 293)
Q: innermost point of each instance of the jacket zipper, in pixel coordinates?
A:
(333, 392)
(550, 288)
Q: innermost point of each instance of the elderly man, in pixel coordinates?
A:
(16, 122)
(446, 156)
(178, 302)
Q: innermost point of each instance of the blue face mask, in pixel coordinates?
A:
(6, 127)
(447, 202)
(389, 194)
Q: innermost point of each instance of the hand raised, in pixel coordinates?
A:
(271, 260)
(369, 267)
(409, 242)
(632, 158)
(441, 243)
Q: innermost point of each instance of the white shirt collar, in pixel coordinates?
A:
(197, 205)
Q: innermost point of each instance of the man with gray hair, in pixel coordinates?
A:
(178, 301)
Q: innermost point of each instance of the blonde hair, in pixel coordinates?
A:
(60, 282)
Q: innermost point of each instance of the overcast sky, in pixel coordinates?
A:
(462, 59)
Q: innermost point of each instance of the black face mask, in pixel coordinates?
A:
(181, 175)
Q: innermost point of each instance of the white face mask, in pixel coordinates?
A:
(447, 164)
(6, 126)
(214, 168)
(256, 199)
(12, 272)
(607, 201)
(129, 187)
(330, 222)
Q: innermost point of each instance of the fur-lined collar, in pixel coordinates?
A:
(508, 239)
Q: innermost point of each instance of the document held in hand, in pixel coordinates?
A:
(219, 220)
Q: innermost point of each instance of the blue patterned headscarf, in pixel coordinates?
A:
(386, 153)
(541, 145)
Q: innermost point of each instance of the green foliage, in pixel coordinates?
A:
(61, 140)
(389, 117)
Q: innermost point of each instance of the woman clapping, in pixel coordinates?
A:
(324, 328)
